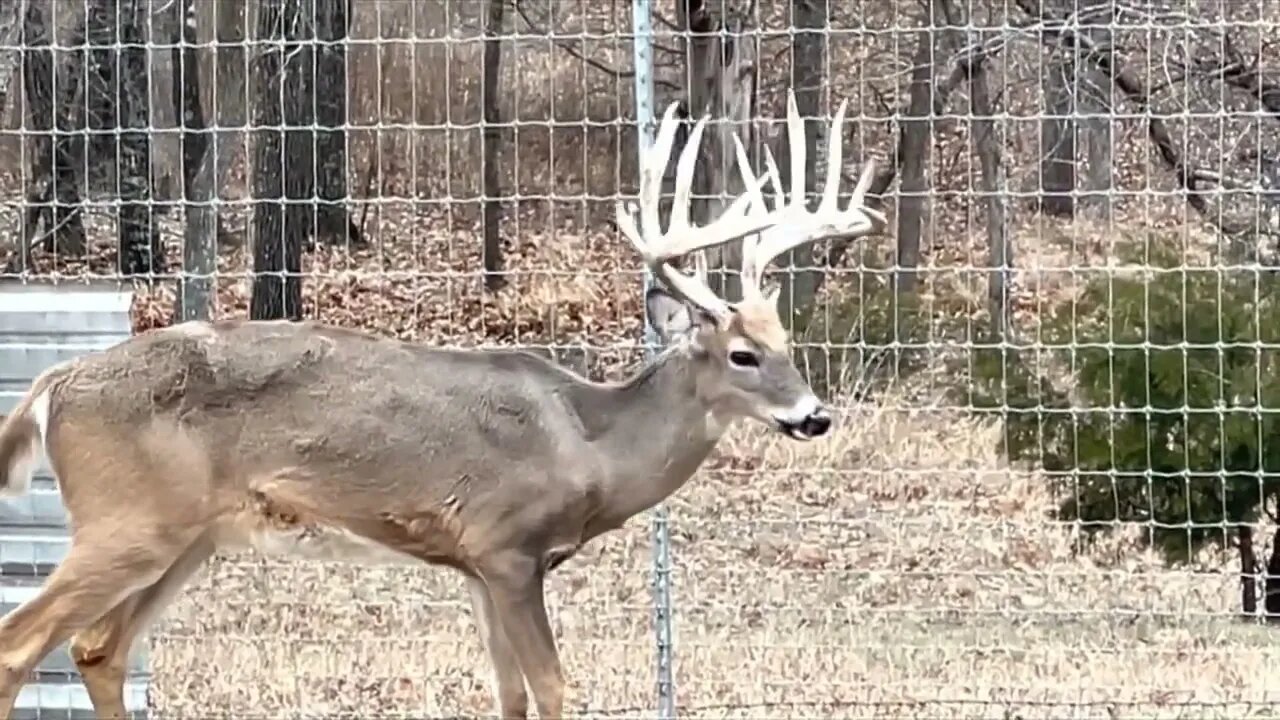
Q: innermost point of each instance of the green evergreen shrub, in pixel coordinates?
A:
(1154, 398)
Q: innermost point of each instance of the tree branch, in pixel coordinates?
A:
(1106, 61)
(535, 29)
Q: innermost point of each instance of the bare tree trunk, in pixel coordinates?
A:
(1271, 586)
(1248, 572)
(917, 141)
(987, 147)
(1060, 131)
(492, 152)
(1094, 97)
(282, 163)
(230, 100)
(1058, 139)
(808, 79)
(101, 101)
(55, 180)
(722, 83)
(11, 21)
(139, 239)
(200, 237)
(999, 249)
(331, 83)
(118, 103)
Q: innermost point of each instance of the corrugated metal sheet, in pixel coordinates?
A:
(41, 325)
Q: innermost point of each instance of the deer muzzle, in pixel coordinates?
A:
(806, 426)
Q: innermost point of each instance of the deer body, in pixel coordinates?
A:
(302, 438)
(320, 442)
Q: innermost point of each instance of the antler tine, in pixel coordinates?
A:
(795, 225)
(746, 215)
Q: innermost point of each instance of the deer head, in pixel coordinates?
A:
(741, 350)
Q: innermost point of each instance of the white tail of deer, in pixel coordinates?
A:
(313, 440)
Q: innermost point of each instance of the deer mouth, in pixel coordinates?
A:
(812, 426)
(795, 431)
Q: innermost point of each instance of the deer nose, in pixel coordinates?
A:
(816, 423)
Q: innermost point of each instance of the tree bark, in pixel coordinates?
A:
(283, 167)
(200, 236)
(1058, 141)
(138, 234)
(331, 87)
(11, 21)
(917, 141)
(230, 112)
(101, 95)
(1271, 586)
(1248, 572)
(56, 179)
(808, 77)
(492, 151)
(986, 146)
(722, 84)
(1094, 100)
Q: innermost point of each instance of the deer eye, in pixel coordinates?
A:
(742, 358)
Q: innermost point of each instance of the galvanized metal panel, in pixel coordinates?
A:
(40, 326)
(65, 701)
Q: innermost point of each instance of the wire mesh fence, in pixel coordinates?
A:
(1050, 492)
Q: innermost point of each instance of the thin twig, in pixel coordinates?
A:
(591, 62)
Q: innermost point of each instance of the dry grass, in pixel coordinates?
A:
(899, 569)
(896, 570)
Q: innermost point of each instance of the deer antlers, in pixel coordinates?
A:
(766, 233)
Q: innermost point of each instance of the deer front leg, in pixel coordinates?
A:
(512, 699)
(517, 594)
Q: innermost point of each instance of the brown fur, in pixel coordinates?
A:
(17, 432)
(758, 321)
(326, 442)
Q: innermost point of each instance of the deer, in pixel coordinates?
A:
(329, 443)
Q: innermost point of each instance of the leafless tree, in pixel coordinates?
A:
(118, 106)
(972, 63)
(917, 144)
(492, 140)
(55, 180)
(283, 176)
(200, 239)
(808, 79)
(334, 223)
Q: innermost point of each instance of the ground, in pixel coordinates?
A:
(898, 569)
(895, 570)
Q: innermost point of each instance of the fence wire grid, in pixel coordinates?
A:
(1051, 490)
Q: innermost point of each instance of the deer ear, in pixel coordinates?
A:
(772, 294)
(670, 317)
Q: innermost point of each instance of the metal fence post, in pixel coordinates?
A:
(642, 25)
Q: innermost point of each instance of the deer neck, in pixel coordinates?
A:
(655, 431)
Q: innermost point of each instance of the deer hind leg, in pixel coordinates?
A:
(99, 572)
(517, 594)
(513, 700)
(101, 651)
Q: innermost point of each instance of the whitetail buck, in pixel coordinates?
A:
(329, 443)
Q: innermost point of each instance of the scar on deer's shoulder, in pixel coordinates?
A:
(435, 530)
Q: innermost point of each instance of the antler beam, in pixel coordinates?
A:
(745, 216)
(795, 225)
(766, 233)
